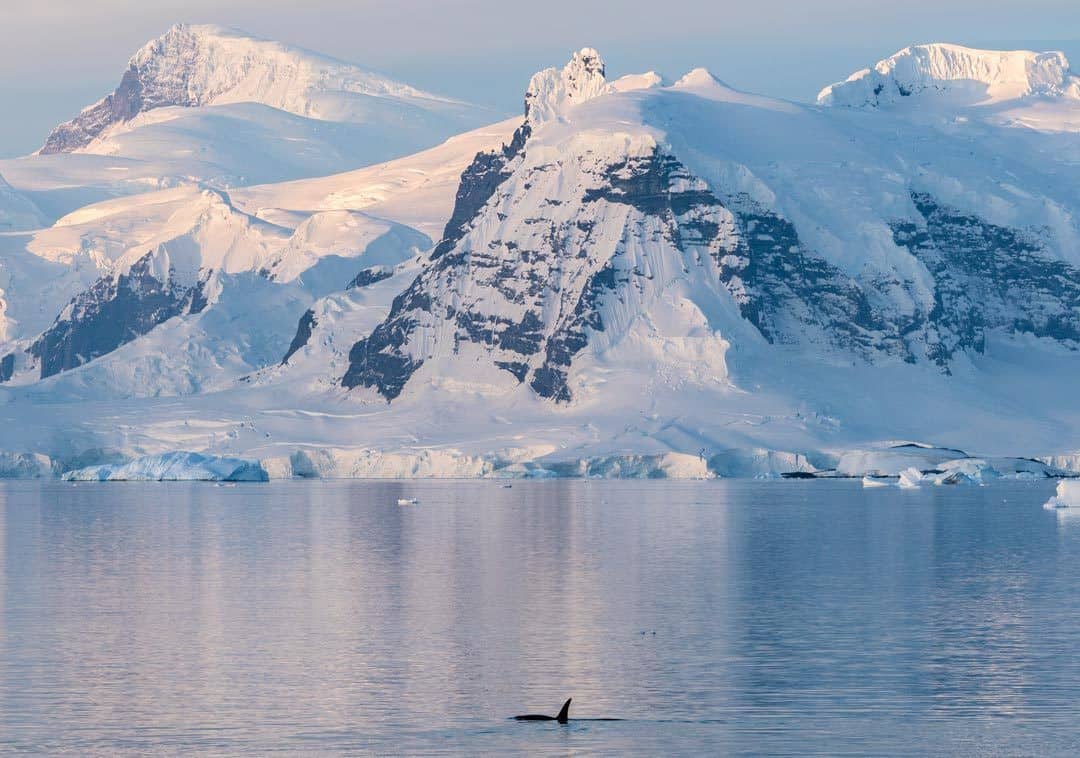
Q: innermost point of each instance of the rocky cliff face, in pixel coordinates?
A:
(116, 310)
(165, 72)
(988, 277)
(552, 250)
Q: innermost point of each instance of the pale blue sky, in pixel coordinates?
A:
(57, 56)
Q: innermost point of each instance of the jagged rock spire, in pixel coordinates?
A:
(552, 92)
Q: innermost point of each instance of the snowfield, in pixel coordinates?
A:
(633, 279)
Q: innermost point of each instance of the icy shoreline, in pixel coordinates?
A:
(905, 464)
(172, 467)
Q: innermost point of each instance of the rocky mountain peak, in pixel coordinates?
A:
(191, 66)
(552, 92)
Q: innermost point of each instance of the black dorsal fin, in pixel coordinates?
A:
(564, 714)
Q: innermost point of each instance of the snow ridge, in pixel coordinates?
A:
(983, 76)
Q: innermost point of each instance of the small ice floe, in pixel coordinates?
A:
(870, 481)
(1067, 496)
(965, 471)
(407, 501)
(507, 486)
(910, 478)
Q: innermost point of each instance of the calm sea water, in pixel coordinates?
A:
(713, 617)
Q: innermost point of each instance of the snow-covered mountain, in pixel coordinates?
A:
(203, 105)
(197, 66)
(959, 74)
(634, 279)
(114, 271)
(610, 221)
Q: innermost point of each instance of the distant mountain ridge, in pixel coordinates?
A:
(984, 75)
(192, 66)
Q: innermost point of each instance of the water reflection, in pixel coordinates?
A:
(714, 616)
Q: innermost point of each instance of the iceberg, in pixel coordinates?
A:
(869, 481)
(910, 478)
(173, 467)
(1067, 495)
(966, 471)
(25, 466)
(962, 471)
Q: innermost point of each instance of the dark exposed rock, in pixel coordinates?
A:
(478, 183)
(369, 276)
(374, 362)
(113, 312)
(781, 288)
(550, 380)
(517, 368)
(984, 277)
(303, 334)
(787, 292)
(123, 104)
(7, 367)
(377, 361)
(151, 81)
(988, 277)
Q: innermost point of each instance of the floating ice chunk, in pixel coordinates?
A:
(173, 467)
(1067, 496)
(25, 466)
(966, 471)
(869, 481)
(890, 461)
(407, 501)
(910, 478)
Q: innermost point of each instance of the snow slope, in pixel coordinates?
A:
(16, 211)
(640, 280)
(257, 257)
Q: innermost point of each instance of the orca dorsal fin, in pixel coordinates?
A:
(564, 714)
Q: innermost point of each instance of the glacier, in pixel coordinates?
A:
(172, 467)
(632, 279)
